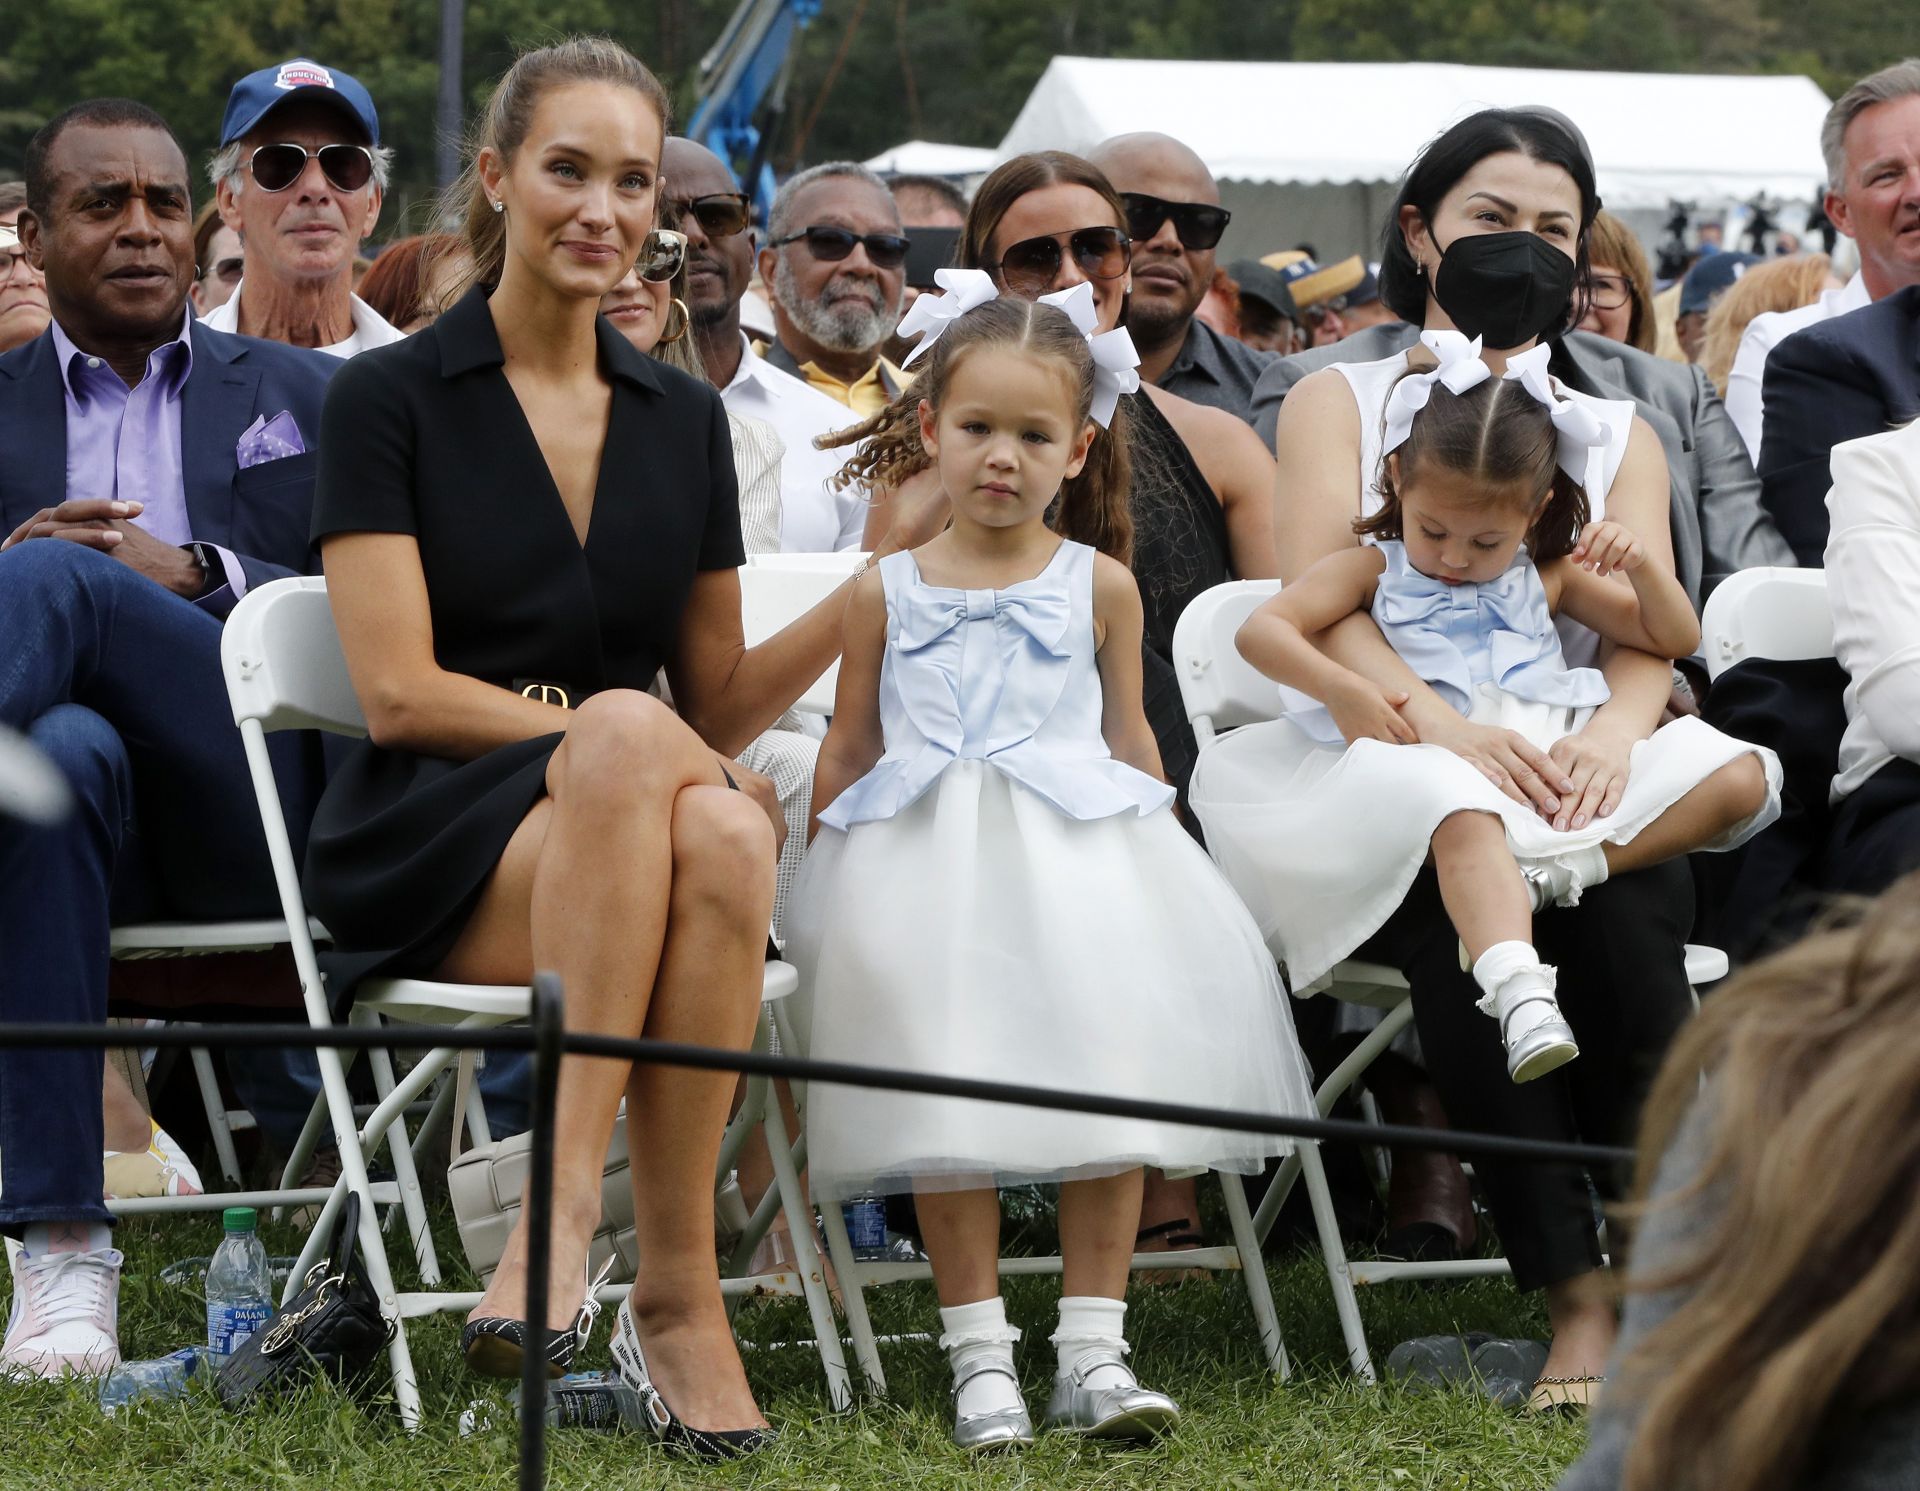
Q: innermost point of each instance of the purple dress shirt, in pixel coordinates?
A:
(124, 443)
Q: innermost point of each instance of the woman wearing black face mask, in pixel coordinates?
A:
(1489, 239)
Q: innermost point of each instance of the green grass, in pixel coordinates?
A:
(1242, 1429)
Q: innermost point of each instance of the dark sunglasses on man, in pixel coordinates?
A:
(1198, 225)
(719, 214)
(831, 245)
(276, 167)
(661, 256)
(1031, 265)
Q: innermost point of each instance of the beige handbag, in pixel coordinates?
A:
(487, 1181)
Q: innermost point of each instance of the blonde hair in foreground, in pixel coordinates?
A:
(1801, 1307)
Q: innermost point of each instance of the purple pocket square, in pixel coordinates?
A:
(269, 440)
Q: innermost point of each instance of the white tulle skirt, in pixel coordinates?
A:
(1322, 843)
(982, 933)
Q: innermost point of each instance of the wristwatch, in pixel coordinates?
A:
(212, 571)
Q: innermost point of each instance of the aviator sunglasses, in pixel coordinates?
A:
(719, 214)
(661, 256)
(831, 245)
(1198, 225)
(1032, 264)
(277, 167)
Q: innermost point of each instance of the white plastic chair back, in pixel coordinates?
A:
(1220, 688)
(282, 659)
(777, 589)
(1779, 614)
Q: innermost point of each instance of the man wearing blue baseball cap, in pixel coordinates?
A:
(299, 176)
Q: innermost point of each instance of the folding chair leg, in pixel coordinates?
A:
(1330, 1092)
(1253, 1270)
(813, 1281)
(853, 1299)
(1333, 1249)
(217, 1124)
(400, 1151)
(437, 1115)
(303, 1148)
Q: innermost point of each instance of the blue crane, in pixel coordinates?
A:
(743, 89)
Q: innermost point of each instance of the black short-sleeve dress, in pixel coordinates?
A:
(426, 437)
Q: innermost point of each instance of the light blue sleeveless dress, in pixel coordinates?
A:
(999, 898)
(1323, 839)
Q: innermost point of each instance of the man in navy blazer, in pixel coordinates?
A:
(151, 472)
(1841, 379)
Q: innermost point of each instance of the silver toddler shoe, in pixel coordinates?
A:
(1126, 1412)
(995, 1429)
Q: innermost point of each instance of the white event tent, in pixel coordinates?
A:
(929, 158)
(1312, 151)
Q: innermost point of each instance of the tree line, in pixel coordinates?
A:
(872, 73)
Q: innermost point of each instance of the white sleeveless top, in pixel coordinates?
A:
(1371, 382)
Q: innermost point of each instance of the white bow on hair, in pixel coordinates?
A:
(1115, 362)
(1459, 368)
(931, 314)
(1582, 433)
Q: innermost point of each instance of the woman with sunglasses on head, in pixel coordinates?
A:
(522, 519)
(1489, 238)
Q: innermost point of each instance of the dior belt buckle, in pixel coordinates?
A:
(542, 692)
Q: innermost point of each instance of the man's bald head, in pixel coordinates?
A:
(1157, 165)
(718, 269)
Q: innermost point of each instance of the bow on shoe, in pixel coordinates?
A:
(930, 315)
(1459, 368)
(1115, 362)
(1581, 433)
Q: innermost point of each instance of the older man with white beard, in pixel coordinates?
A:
(835, 262)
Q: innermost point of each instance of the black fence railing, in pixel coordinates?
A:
(545, 1036)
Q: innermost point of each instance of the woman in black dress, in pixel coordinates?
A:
(522, 519)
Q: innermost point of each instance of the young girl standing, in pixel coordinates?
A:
(1482, 540)
(999, 888)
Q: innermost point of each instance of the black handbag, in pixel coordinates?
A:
(332, 1328)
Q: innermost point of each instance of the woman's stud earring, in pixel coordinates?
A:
(498, 205)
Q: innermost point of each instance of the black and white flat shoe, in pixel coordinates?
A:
(496, 1346)
(672, 1433)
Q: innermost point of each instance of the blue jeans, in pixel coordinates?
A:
(118, 681)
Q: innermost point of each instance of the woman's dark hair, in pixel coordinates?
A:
(1538, 134)
(1093, 505)
(1503, 437)
(1008, 182)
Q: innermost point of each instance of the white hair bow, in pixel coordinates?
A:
(1459, 367)
(930, 315)
(1115, 362)
(1582, 434)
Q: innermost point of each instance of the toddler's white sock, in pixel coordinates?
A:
(974, 1336)
(1511, 973)
(41, 1238)
(1560, 880)
(1092, 1324)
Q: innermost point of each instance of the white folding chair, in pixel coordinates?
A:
(1223, 691)
(777, 589)
(284, 671)
(1779, 614)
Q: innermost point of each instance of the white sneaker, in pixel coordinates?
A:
(66, 1315)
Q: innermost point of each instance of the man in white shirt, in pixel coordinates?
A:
(703, 202)
(299, 176)
(1871, 140)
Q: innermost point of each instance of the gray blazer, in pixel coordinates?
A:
(1718, 524)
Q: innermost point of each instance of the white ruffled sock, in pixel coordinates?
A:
(1565, 876)
(1512, 975)
(977, 1334)
(1090, 1324)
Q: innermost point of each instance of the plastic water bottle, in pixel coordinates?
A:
(169, 1377)
(866, 1217)
(596, 1401)
(1507, 1370)
(239, 1285)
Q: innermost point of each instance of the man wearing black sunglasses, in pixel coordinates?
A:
(299, 176)
(835, 262)
(1175, 219)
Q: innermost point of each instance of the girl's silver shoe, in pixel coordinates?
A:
(995, 1429)
(1126, 1412)
(1545, 1048)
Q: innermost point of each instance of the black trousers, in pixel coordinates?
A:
(1623, 987)
(1875, 837)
